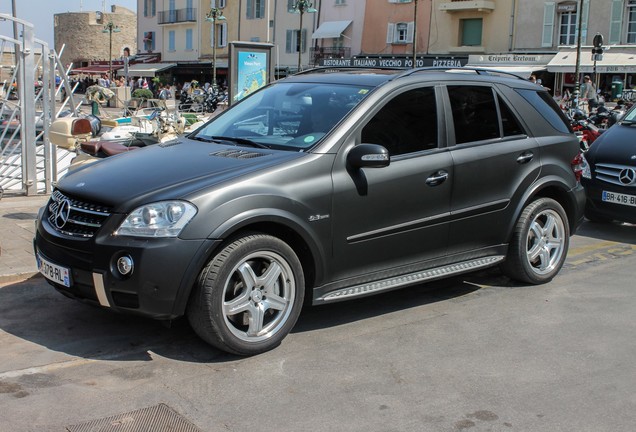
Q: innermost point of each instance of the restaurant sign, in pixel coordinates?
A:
(397, 62)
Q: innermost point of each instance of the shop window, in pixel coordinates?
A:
(471, 30)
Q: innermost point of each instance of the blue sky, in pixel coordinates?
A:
(40, 13)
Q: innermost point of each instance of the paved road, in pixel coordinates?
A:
(476, 353)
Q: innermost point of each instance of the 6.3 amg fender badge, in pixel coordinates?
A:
(62, 213)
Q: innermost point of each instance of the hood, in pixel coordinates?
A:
(616, 145)
(168, 170)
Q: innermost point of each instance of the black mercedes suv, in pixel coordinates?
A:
(325, 186)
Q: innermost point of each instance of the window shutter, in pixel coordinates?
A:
(261, 9)
(188, 39)
(549, 9)
(585, 18)
(616, 22)
(304, 45)
(390, 36)
(409, 32)
(288, 41)
(250, 9)
(223, 41)
(146, 8)
(171, 40)
(154, 7)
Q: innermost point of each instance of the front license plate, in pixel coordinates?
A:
(619, 198)
(54, 272)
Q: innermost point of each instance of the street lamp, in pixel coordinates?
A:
(577, 67)
(415, 35)
(301, 7)
(110, 28)
(215, 14)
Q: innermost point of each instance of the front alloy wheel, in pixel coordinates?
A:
(539, 243)
(249, 295)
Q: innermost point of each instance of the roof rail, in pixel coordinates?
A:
(410, 71)
(324, 69)
(477, 70)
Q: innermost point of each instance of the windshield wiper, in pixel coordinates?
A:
(240, 141)
(200, 138)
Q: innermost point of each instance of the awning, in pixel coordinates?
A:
(613, 62)
(521, 71)
(330, 29)
(95, 69)
(146, 69)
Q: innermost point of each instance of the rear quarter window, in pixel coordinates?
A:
(548, 108)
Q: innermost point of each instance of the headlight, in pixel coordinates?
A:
(160, 219)
(586, 172)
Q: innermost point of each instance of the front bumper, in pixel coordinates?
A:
(595, 206)
(165, 269)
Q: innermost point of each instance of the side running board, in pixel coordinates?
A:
(410, 279)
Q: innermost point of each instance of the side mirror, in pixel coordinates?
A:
(369, 156)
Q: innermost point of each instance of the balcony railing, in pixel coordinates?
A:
(319, 53)
(467, 5)
(177, 16)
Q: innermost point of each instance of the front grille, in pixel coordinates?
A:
(621, 175)
(75, 218)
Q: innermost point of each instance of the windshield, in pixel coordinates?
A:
(288, 116)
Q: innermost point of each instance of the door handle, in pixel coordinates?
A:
(437, 178)
(525, 157)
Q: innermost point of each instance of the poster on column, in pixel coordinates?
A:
(250, 69)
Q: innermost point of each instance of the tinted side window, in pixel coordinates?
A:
(509, 122)
(406, 124)
(474, 113)
(548, 108)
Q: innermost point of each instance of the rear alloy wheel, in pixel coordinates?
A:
(249, 295)
(539, 243)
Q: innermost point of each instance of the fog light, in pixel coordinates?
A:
(125, 265)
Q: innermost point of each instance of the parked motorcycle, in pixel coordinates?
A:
(199, 101)
(585, 130)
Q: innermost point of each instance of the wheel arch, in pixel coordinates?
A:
(274, 222)
(549, 187)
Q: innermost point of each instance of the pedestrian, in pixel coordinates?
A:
(102, 81)
(588, 91)
(165, 92)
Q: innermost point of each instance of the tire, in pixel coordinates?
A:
(539, 243)
(249, 296)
